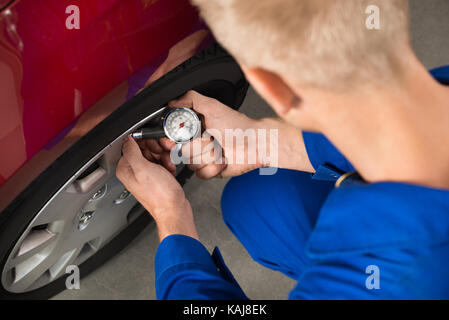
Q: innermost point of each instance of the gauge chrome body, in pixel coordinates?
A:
(182, 125)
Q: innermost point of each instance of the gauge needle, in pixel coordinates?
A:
(181, 125)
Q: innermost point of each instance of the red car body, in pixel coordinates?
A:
(58, 83)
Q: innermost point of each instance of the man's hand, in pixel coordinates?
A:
(217, 118)
(290, 149)
(157, 190)
(158, 151)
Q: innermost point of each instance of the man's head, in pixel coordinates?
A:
(289, 47)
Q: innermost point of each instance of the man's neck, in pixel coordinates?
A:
(397, 134)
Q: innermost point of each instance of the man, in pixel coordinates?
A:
(380, 233)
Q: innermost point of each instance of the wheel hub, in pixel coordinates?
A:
(92, 201)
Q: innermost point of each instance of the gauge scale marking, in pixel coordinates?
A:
(181, 125)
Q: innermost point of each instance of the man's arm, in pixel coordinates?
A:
(220, 121)
(292, 153)
(184, 269)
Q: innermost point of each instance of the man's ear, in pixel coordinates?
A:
(273, 89)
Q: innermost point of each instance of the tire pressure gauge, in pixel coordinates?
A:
(179, 125)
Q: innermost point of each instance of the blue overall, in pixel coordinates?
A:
(355, 241)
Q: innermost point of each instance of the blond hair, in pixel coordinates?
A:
(323, 43)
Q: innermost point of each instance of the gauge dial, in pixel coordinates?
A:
(181, 125)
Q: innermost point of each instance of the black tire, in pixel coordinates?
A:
(212, 72)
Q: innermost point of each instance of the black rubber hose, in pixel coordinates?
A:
(149, 133)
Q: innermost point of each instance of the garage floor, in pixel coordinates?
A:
(130, 274)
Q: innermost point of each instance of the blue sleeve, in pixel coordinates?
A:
(321, 151)
(185, 270)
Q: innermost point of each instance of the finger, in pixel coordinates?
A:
(148, 155)
(197, 147)
(167, 163)
(156, 156)
(210, 171)
(196, 167)
(212, 152)
(153, 145)
(141, 144)
(187, 100)
(132, 154)
(167, 144)
(212, 156)
(124, 172)
(151, 156)
(195, 101)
